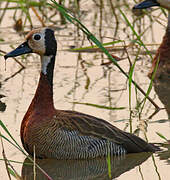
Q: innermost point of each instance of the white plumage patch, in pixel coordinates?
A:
(45, 61)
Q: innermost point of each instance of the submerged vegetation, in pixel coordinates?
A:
(105, 34)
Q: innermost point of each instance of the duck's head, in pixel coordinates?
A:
(39, 41)
(151, 3)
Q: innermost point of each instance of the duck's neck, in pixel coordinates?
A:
(43, 98)
(47, 67)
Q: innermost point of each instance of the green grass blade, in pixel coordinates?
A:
(162, 136)
(150, 85)
(92, 47)
(130, 89)
(12, 172)
(130, 92)
(100, 106)
(135, 33)
(17, 162)
(9, 141)
(109, 165)
(6, 130)
(26, 11)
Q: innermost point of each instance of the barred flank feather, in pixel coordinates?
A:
(70, 145)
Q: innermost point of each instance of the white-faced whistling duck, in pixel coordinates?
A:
(162, 54)
(65, 134)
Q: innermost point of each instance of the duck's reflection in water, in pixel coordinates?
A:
(83, 169)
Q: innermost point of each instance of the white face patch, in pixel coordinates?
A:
(45, 61)
(37, 46)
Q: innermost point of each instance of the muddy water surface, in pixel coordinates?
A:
(80, 77)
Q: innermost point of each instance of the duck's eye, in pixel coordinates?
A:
(37, 37)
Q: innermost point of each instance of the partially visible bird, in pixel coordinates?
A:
(64, 134)
(162, 78)
(162, 55)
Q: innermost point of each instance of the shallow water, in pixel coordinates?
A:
(80, 77)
